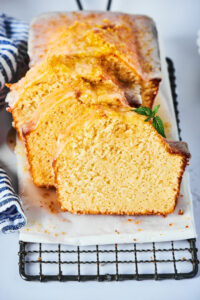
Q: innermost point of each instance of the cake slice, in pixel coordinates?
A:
(55, 72)
(56, 112)
(116, 163)
(125, 44)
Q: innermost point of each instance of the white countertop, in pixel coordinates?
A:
(178, 22)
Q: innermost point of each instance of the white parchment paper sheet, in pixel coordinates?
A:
(47, 224)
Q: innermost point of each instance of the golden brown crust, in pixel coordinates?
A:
(154, 87)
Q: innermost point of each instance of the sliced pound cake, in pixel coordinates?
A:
(115, 163)
(73, 112)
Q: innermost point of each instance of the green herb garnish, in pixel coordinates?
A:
(151, 114)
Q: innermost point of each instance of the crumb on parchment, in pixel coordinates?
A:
(117, 231)
(139, 229)
(181, 212)
(137, 222)
(45, 195)
(171, 224)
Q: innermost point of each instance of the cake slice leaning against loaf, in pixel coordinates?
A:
(116, 163)
(52, 74)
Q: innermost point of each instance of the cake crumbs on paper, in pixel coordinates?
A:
(117, 231)
(63, 233)
(45, 195)
(181, 212)
(187, 226)
(39, 258)
(164, 216)
(137, 222)
(134, 240)
(46, 231)
(52, 207)
(139, 229)
(151, 257)
(130, 220)
(183, 258)
(66, 220)
(171, 224)
(181, 195)
(27, 229)
(167, 126)
(56, 234)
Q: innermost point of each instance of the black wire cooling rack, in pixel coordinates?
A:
(55, 262)
(168, 260)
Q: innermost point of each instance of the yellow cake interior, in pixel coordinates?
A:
(115, 163)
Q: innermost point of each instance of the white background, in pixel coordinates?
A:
(178, 22)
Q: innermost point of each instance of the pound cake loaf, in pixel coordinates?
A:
(115, 163)
(125, 44)
(73, 111)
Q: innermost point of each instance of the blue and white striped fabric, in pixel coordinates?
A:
(13, 59)
(11, 214)
(13, 51)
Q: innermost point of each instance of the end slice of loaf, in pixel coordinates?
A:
(115, 163)
(126, 44)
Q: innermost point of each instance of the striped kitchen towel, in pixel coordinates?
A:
(13, 52)
(13, 59)
(11, 214)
